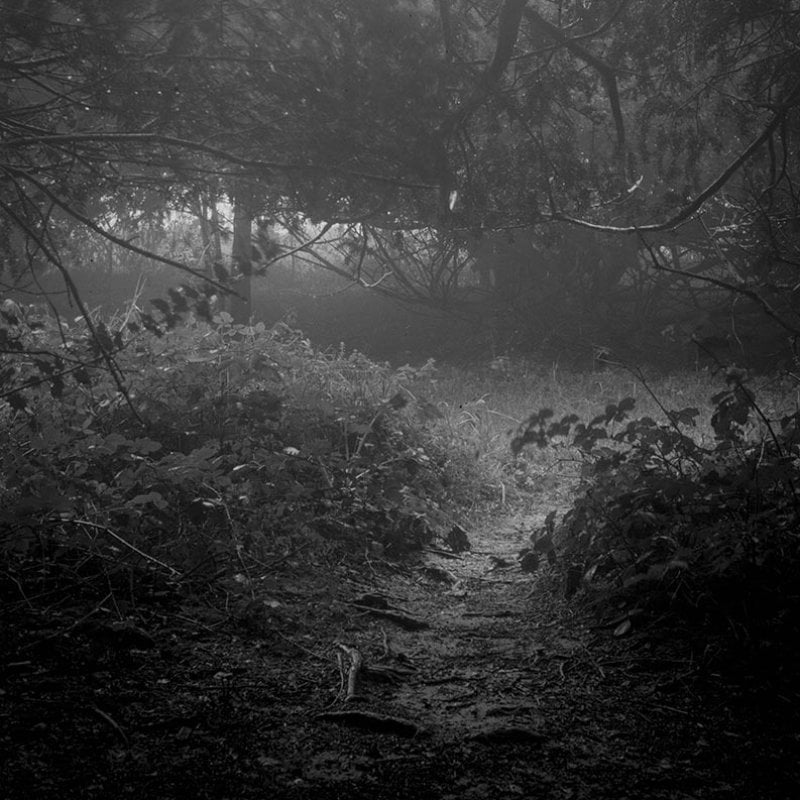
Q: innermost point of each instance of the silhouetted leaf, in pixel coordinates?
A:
(162, 306)
(222, 274)
(623, 628)
(17, 401)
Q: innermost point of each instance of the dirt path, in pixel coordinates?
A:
(476, 682)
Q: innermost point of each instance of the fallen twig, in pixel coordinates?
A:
(88, 523)
(111, 722)
(356, 662)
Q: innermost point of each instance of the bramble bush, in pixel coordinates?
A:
(678, 533)
(200, 451)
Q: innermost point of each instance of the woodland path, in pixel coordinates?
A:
(502, 691)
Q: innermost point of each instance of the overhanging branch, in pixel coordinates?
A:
(508, 30)
(744, 291)
(93, 226)
(603, 69)
(258, 165)
(690, 208)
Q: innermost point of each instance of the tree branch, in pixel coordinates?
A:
(199, 147)
(508, 30)
(690, 208)
(750, 294)
(105, 355)
(84, 220)
(603, 69)
(303, 246)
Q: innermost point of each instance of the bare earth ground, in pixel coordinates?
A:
(477, 682)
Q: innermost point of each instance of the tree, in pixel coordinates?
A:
(462, 119)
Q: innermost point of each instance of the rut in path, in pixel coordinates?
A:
(472, 676)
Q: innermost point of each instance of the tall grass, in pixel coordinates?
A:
(482, 408)
(478, 411)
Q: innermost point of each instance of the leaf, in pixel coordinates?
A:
(221, 274)
(162, 306)
(149, 323)
(529, 562)
(57, 386)
(81, 376)
(179, 303)
(397, 401)
(686, 416)
(17, 401)
(150, 498)
(623, 628)
(45, 367)
(145, 446)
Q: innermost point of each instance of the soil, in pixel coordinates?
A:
(476, 680)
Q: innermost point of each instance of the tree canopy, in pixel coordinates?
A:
(462, 117)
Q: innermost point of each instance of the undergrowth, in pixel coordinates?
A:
(209, 453)
(136, 460)
(678, 532)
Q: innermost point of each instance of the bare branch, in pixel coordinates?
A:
(303, 246)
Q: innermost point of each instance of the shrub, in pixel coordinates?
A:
(226, 445)
(674, 531)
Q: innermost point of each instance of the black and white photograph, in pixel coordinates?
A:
(400, 399)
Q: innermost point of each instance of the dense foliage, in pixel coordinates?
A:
(229, 445)
(665, 531)
(471, 121)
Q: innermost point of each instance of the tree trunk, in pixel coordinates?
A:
(209, 231)
(216, 233)
(242, 254)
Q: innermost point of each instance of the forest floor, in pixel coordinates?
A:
(477, 681)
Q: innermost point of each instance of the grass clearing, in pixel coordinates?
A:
(482, 409)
